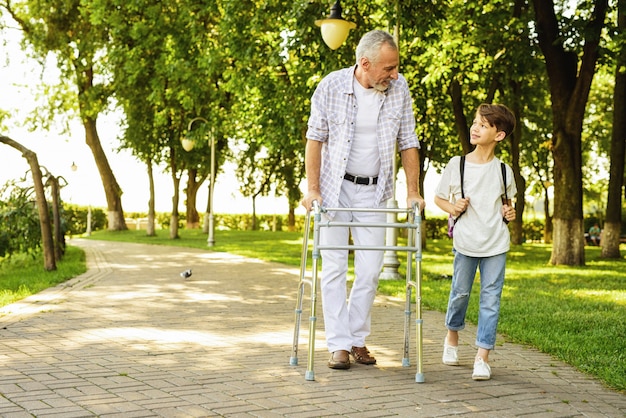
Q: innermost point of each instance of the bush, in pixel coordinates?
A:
(533, 230)
(74, 219)
(20, 230)
(437, 228)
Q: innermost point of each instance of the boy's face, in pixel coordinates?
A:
(483, 133)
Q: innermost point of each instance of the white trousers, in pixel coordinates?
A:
(347, 321)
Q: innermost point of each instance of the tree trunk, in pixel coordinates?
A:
(612, 226)
(205, 222)
(112, 190)
(174, 225)
(47, 242)
(547, 228)
(254, 225)
(460, 120)
(193, 184)
(568, 244)
(175, 198)
(570, 82)
(517, 235)
(44, 213)
(291, 219)
(150, 228)
(610, 240)
(561, 236)
(59, 240)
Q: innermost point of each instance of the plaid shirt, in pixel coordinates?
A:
(333, 114)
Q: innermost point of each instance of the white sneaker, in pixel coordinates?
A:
(482, 371)
(450, 354)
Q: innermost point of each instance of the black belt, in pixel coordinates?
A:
(361, 180)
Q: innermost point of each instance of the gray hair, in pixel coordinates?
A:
(370, 44)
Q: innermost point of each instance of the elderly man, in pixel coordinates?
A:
(358, 115)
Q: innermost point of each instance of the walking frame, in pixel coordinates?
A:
(413, 249)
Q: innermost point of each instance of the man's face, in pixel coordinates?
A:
(385, 69)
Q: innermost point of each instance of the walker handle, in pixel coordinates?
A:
(316, 206)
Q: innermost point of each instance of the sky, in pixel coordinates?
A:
(58, 152)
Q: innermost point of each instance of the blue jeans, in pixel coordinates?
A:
(491, 282)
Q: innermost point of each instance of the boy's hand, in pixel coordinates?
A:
(508, 213)
(460, 206)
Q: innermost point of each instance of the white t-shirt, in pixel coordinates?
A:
(480, 231)
(364, 159)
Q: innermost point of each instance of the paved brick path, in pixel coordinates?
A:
(131, 338)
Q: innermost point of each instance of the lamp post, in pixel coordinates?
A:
(74, 167)
(188, 145)
(335, 29)
(390, 258)
(335, 32)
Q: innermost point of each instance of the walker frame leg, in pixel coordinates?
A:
(310, 373)
(414, 256)
(293, 360)
(407, 318)
(419, 344)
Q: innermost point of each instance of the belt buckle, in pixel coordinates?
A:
(365, 181)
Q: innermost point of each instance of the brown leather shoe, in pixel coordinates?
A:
(339, 360)
(362, 355)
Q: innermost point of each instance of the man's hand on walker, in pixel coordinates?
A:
(309, 198)
(416, 199)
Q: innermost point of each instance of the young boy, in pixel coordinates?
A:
(481, 236)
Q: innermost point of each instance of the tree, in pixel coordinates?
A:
(463, 58)
(64, 28)
(542, 180)
(59, 235)
(570, 82)
(613, 223)
(47, 241)
(132, 56)
(167, 63)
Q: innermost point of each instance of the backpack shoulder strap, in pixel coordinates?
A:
(503, 167)
(506, 198)
(462, 169)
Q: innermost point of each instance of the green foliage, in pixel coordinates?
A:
(249, 67)
(244, 222)
(437, 228)
(75, 217)
(19, 220)
(533, 230)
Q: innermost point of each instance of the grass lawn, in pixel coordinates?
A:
(24, 275)
(577, 314)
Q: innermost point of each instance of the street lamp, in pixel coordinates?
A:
(335, 29)
(390, 258)
(188, 145)
(74, 167)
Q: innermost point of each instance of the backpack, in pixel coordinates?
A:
(451, 219)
